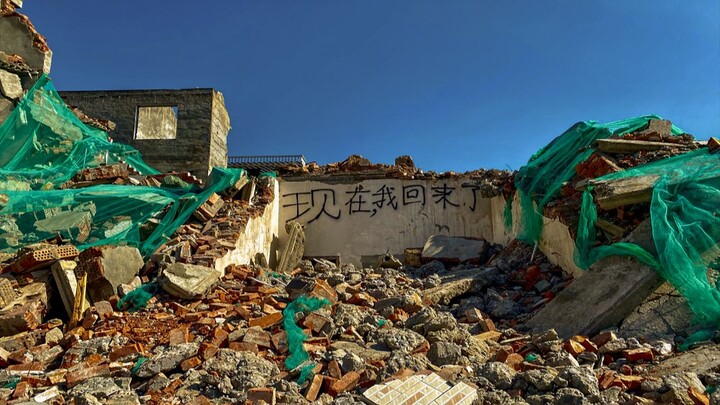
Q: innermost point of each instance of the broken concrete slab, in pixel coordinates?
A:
(459, 283)
(188, 281)
(664, 314)
(613, 145)
(20, 38)
(612, 288)
(441, 247)
(699, 360)
(107, 268)
(10, 85)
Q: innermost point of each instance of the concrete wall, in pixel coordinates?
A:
(202, 125)
(367, 218)
(351, 220)
(260, 236)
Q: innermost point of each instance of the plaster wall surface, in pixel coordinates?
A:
(371, 217)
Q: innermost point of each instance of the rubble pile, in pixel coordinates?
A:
(455, 330)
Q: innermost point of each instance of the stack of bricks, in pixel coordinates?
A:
(595, 166)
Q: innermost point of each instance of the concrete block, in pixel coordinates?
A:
(10, 85)
(188, 281)
(441, 247)
(108, 267)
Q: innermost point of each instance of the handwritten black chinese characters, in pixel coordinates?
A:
(370, 198)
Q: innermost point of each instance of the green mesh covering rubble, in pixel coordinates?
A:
(295, 335)
(44, 145)
(541, 179)
(683, 210)
(685, 228)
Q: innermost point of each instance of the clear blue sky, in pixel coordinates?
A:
(458, 85)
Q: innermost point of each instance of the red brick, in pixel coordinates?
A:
(573, 347)
(261, 395)
(22, 390)
(192, 362)
(334, 369)
(267, 320)
(603, 338)
(244, 347)
(258, 336)
(346, 383)
(313, 389)
(642, 353)
(76, 377)
(220, 336)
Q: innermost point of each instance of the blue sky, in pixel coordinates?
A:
(458, 85)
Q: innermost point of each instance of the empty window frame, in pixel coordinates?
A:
(156, 122)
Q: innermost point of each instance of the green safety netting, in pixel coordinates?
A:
(44, 145)
(541, 179)
(295, 335)
(685, 228)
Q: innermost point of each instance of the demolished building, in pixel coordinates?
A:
(571, 281)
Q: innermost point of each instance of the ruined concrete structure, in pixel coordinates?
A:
(175, 130)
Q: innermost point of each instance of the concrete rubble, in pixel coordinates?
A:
(460, 321)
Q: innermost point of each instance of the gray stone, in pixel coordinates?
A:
(604, 296)
(98, 387)
(444, 353)
(569, 396)
(542, 380)
(459, 283)
(561, 358)
(401, 340)
(499, 374)
(678, 384)
(168, 359)
(245, 369)
(157, 383)
(699, 360)
(188, 281)
(504, 309)
(613, 346)
(351, 362)
(439, 247)
(368, 354)
(581, 378)
(399, 360)
(10, 85)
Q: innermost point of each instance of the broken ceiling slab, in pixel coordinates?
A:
(611, 289)
(630, 190)
(441, 247)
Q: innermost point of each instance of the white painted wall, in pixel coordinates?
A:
(258, 236)
(338, 232)
(351, 228)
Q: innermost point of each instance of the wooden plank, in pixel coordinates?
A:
(615, 145)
